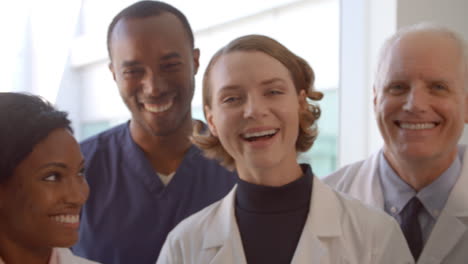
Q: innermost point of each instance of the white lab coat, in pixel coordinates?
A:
(64, 256)
(448, 241)
(338, 229)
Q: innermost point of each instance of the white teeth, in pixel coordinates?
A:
(67, 219)
(417, 126)
(155, 108)
(259, 134)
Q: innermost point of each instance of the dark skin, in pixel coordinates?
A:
(48, 183)
(154, 64)
(164, 155)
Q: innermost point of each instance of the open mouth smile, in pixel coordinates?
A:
(69, 220)
(158, 108)
(416, 126)
(261, 135)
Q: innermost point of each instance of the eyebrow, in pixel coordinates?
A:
(272, 80)
(228, 87)
(59, 164)
(171, 55)
(237, 87)
(130, 63)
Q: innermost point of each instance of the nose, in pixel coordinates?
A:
(77, 191)
(255, 108)
(416, 99)
(154, 85)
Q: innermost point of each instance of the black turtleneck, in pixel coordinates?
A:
(271, 219)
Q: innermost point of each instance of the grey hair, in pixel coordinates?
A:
(424, 27)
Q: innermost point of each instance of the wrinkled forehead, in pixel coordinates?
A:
(425, 44)
(435, 55)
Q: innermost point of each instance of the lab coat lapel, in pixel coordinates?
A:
(322, 222)
(451, 225)
(223, 234)
(309, 250)
(367, 185)
(230, 252)
(444, 237)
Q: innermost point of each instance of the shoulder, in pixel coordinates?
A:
(186, 243)
(103, 139)
(363, 215)
(209, 222)
(364, 226)
(343, 178)
(343, 175)
(194, 226)
(364, 234)
(355, 215)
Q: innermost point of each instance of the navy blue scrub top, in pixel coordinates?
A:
(129, 211)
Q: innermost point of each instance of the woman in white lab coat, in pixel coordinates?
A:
(42, 185)
(255, 101)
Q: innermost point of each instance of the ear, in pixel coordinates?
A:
(466, 108)
(209, 120)
(111, 68)
(374, 100)
(302, 97)
(196, 59)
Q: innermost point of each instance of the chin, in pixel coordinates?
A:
(264, 164)
(65, 241)
(417, 153)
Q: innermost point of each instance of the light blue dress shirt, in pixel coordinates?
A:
(397, 192)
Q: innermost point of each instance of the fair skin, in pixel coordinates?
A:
(254, 113)
(421, 106)
(154, 64)
(41, 202)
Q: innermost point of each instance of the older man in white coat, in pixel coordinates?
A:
(420, 176)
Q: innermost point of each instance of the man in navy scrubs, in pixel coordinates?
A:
(145, 175)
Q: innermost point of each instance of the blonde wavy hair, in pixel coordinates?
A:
(303, 78)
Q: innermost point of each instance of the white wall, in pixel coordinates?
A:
(365, 24)
(299, 26)
(451, 13)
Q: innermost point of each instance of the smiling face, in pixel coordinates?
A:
(41, 202)
(421, 106)
(254, 110)
(154, 65)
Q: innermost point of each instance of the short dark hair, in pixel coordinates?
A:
(25, 120)
(144, 9)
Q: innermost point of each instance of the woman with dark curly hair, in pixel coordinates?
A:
(42, 184)
(255, 96)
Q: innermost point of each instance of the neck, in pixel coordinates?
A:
(275, 176)
(164, 152)
(11, 252)
(419, 173)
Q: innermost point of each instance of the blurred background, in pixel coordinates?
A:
(57, 49)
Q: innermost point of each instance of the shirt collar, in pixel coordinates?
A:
(397, 192)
